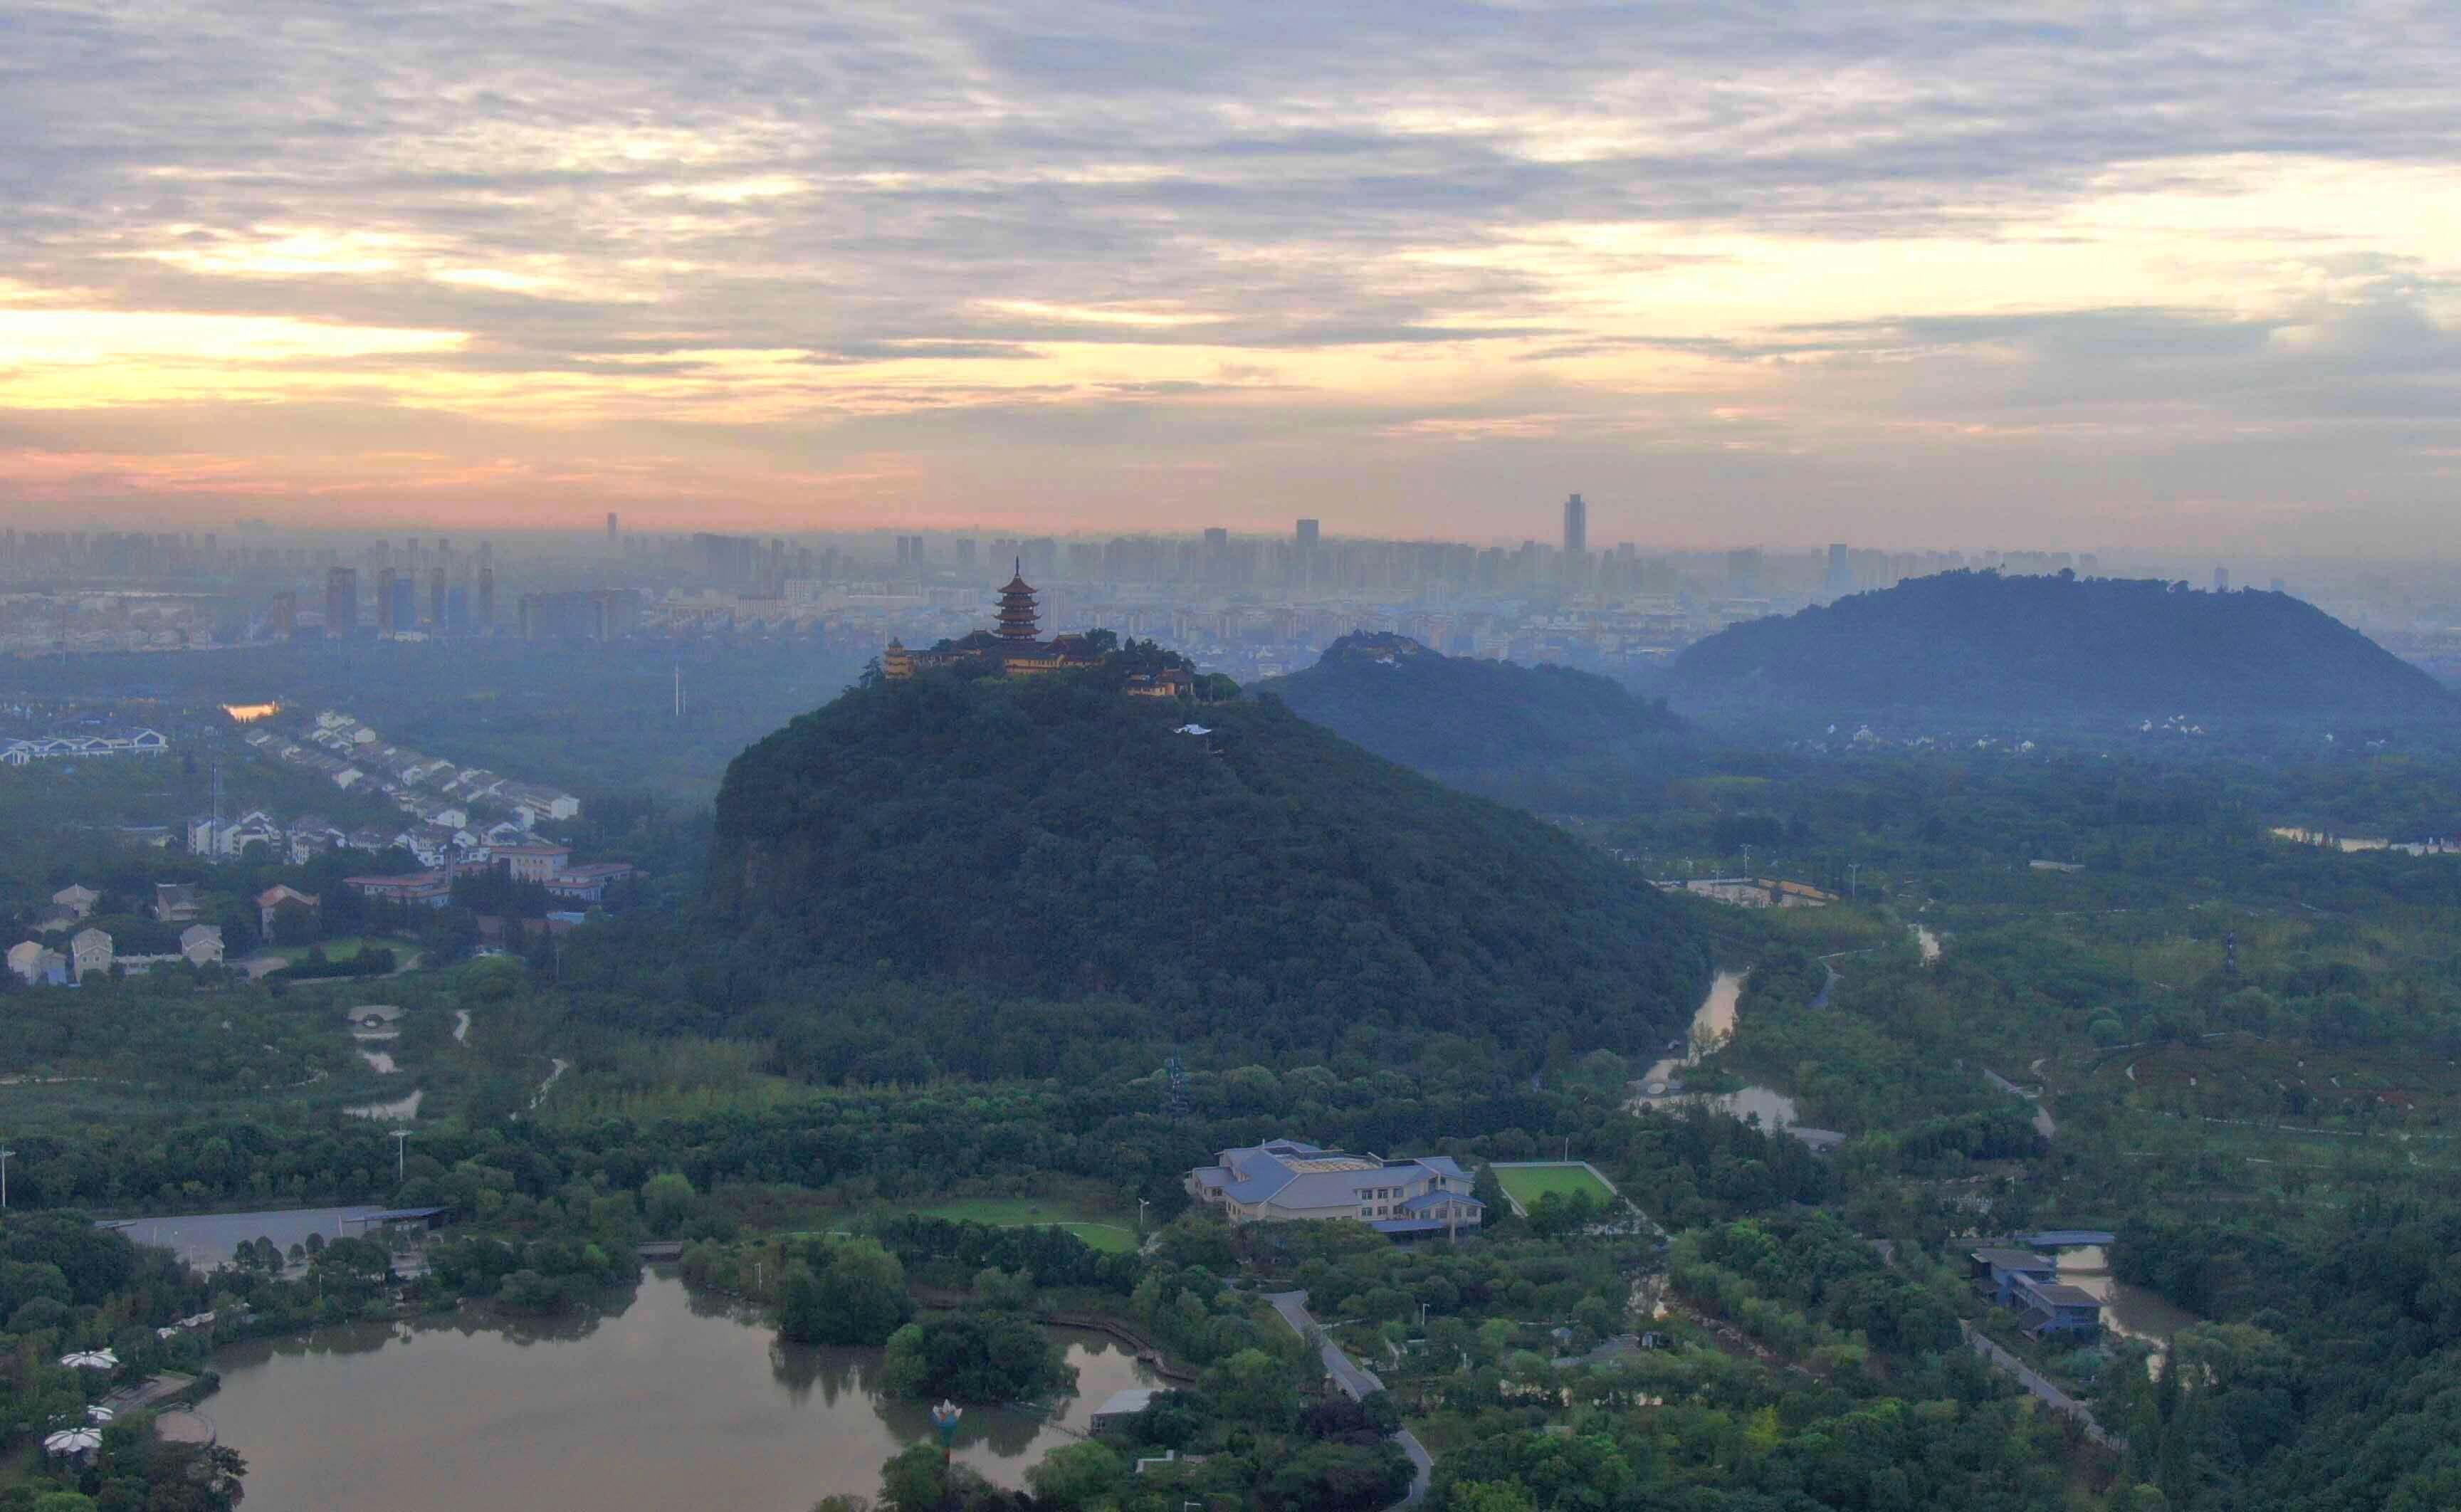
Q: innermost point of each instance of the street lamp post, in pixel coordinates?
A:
(400, 1143)
(1142, 1203)
(4, 1175)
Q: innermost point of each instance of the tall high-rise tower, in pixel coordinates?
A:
(1576, 527)
(341, 601)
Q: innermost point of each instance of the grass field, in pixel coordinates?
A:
(1527, 1183)
(1014, 1212)
(346, 947)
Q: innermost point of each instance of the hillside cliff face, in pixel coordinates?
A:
(1470, 721)
(2057, 646)
(1262, 878)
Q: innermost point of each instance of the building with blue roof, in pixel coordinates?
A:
(1290, 1179)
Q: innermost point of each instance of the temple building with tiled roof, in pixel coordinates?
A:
(1016, 645)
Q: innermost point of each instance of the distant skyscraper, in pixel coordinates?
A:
(285, 618)
(486, 593)
(1576, 528)
(341, 601)
(611, 527)
(2221, 580)
(436, 599)
(1309, 536)
(1840, 573)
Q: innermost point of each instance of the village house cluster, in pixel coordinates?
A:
(53, 748)
(91, 951)
(458, 814)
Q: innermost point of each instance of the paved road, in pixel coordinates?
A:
(1357, 1381)
(2025, 1376)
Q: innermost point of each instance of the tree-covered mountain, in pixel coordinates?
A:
(1492, 726)
(2057, 646)
(1048, 864)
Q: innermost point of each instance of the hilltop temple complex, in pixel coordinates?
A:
(1014, 649)
(1015, 645)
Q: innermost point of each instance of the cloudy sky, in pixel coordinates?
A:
(1952, 273)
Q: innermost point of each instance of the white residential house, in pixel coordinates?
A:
(542, 802)
(77, 899)
(348, 777)
(90, 950)
(38, 965)
(224, 842)
(202, 944)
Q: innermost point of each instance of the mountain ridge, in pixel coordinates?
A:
(1489, 726)
(2063, 644)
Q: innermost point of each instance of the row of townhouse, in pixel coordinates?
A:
(444, 835)
(91, 953)
(410, 776)
(542, 862)
(53, 748)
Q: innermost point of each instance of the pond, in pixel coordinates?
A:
(1713, 1024)
(670, 1398)
(2128, 1311)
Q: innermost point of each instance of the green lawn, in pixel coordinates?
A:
(1015, 1212)
(348, 948)
(1527, 1183)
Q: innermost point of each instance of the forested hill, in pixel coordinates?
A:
(1265, 890)
(2057, 646)
(1479, 724)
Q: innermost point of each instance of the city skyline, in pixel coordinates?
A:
(1911, 274)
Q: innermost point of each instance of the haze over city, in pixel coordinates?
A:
(1923, 274)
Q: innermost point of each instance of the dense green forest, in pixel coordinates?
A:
(1530, 734)
(2050, 647)
(1261, 884)
(958, 928)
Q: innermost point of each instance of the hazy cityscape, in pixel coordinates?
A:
(1249, 604)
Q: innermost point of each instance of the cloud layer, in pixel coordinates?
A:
(2174, 274)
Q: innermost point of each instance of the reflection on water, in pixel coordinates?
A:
(665, 1399)
(2128, 1311)
(1713, 1024)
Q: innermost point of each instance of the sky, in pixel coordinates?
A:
(1962, 274)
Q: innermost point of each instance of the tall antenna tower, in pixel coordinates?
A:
(1174, 1088)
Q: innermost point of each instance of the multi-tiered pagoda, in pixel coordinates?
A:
(1018, 616)
(1015, 647)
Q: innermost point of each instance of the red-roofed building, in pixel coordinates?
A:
(423, 889)
(590, 883)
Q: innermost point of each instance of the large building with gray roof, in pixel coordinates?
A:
(1286, 1180)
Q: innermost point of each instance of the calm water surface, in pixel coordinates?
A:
(2128, 1311)
(1713, 1024)
(676, 1401)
